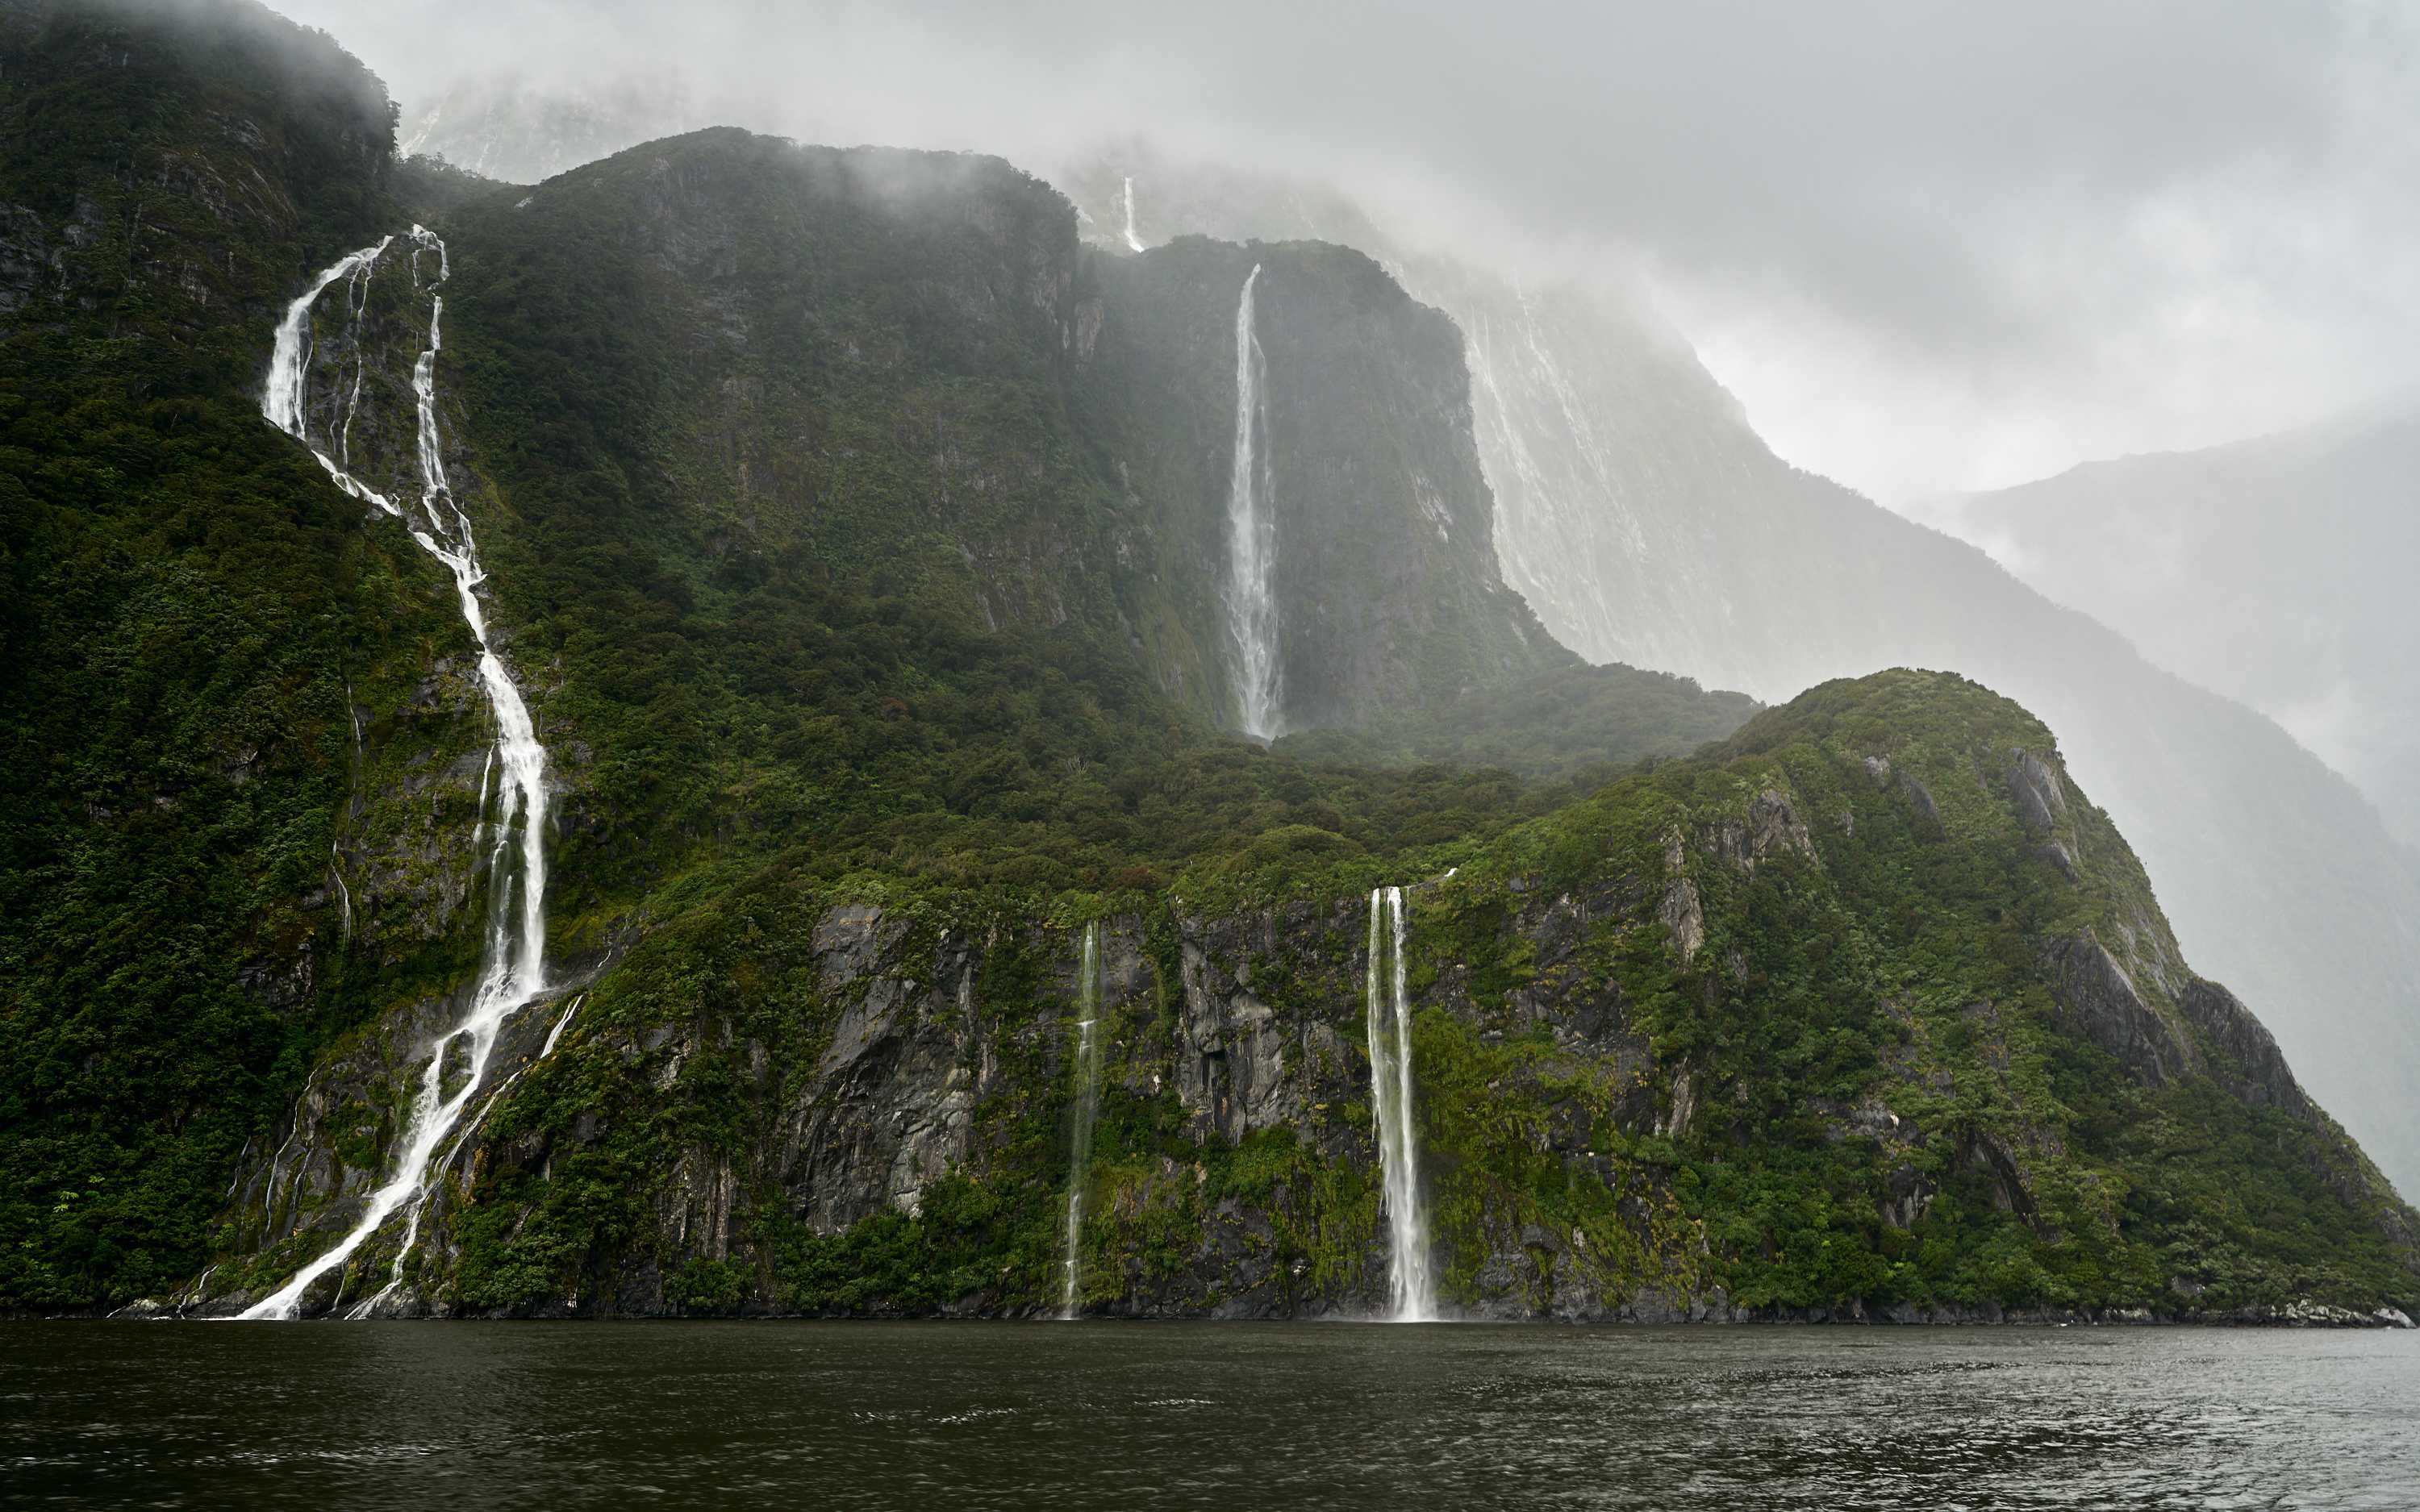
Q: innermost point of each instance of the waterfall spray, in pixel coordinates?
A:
(514, 970)
(1251, 538)
(1134, 242)
(1389, 1028)
(1087, 1108)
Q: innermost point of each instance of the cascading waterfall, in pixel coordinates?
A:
(1087, 1108)
(1134, 242)
(1251, 536)
(1390, 1027)
(513, 974)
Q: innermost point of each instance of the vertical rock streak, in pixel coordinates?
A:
(1561, 502)
(1088, 1108)
(1410, 1281)
(1251, 538)
(513, 973)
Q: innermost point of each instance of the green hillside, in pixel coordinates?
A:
(850, 532)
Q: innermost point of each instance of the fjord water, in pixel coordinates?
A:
(1205, 1416)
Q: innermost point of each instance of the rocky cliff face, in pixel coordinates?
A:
(867, 673)
(1639, 1026)
(1646, 522)
(877, 356)
(1387, 590)
(236, 817)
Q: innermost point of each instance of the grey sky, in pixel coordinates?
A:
(1931, 246)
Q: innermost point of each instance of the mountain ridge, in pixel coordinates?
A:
(1649, 524)
(746, 431)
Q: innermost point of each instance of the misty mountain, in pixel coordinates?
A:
(671, 742)
(1647, 523)
(494, 125)
(2275, 571)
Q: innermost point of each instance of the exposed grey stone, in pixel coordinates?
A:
(2098, 1000)
(2264, 1079)
(2041, 797)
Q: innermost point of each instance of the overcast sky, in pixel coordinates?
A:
(1930, 246)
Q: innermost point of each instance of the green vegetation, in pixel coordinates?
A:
(183, 604)
(1582, 725)
(845, 526)
(1868, 1020)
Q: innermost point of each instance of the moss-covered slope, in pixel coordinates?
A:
(843, 522)
(1867, 1011)
(226, 704)
(795, 534)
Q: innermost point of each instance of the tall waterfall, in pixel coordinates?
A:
(1088, 1109)
(1251, 538)
(1134, 242)
(513, 973)
(1389, 1028)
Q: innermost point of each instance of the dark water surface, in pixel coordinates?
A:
(946, 1415)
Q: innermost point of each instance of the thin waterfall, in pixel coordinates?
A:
(1410, 1282)
(1088, 1109)
(1134, 242)
(514, 973)
(1251, 536)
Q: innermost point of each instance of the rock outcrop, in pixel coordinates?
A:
(861, 1109)
(2099, 999)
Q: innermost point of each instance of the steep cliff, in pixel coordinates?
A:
(789, 528)
(1646, 522)
(861, 632)
(1388, 594)
(1867, 1013)
(234, 818)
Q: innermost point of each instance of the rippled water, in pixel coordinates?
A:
(941, 1416)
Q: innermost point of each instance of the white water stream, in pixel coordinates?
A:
(1251, 538)
(1087, 1108)
(513, 973)
(1410, 1275)
(1134, 242)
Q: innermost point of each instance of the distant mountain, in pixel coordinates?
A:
(1648, 523)
(2275, 571)
(497, 127)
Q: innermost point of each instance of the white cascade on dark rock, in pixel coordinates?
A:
(513, 971)
(1251, 538)
(1134, 242)
(1087, 1108)
(1410, 1275)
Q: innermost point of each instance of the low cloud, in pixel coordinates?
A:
(1931, 247)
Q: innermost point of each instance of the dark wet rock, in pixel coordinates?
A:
(2040, 796)
(2098, 1000)
(2263, 1078)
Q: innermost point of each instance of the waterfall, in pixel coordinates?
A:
(1251, 536)
(513, 973)
(1087, 1108)
(1134, 242)
(1389, 1028)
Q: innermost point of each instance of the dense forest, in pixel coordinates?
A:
(851, 530)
